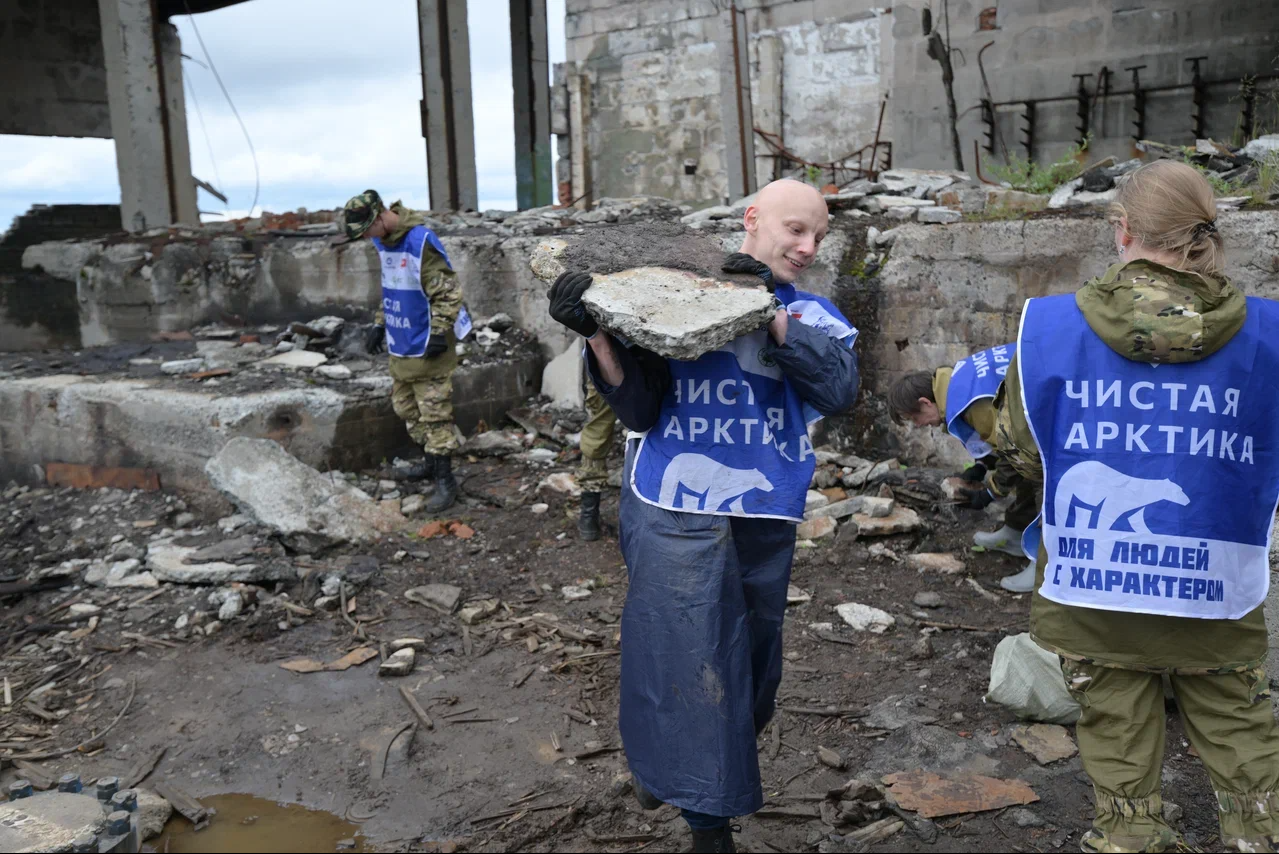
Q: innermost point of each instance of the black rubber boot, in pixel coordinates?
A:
(588, 524)
(445, 485)
(647, 800)
(717, 841)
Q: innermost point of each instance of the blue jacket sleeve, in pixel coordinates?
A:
(646, 377)
(822, 369)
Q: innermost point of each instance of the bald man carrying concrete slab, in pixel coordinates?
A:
(718, 462)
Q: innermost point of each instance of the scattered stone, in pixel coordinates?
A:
(675, 313)
(562, 482)
(928, 599)
(1085, 198)
(227, 524)
(882, 551)
(838, 510)
(168, 562)
(1061, 196)
(939, 216)
(398, 644)
(183, 520)
(797, 596)
(494, 443)
(226, 550)
(539, 509)
(886, 239)
(537, 456)
(334, 372)
(897, 711)
(284, 347)
(213, 628)
(477, 611)
(399, 663)
(877, 506)
(830, 758)
(902, 520)
(499, 322)
(815, 529)
(1023, 817)
(413, 505)
(228, 602)
(573, 592)
(281, 491)
(83, 609)
(890, 202)
(946, 564)
(1045, 742)
(814, 500)
(562, 378)
(153, 813)
(182, 366)
(1173, 813)
(295, 360)
(922, 649)
(864, 618)
(1261, 147)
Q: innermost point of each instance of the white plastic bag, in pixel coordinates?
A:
(1026, 679)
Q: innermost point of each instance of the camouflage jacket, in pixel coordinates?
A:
(439, 282)
(1148, 313)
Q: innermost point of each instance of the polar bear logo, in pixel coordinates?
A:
(696, 482)
(1093, 495)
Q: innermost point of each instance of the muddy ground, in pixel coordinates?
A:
(529, 759)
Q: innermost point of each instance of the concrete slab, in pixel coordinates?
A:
(675, 313)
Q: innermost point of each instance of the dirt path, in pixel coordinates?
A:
(533, 766)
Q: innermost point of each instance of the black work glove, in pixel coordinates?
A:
(375, 339)
(437, 345)
(975, 473)
(740, 262)
(980, 499)
(566, 303)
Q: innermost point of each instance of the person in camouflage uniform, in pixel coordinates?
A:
(1166, 303)
(422, 382)
(592, 472)
(920, 398)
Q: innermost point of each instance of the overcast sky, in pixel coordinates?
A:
(329, 91)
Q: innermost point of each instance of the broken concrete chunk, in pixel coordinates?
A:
(418, 644)
(182, 366)
(1046, 742)
(546, 261)
(815, 529)
(675, 313)
(296, 360)
(561, 482)
(939, 216)
(1015, 200)
(153, 813)
(494, 443)
(476, 611)
(279, 490)
(797, 596)
(838, 510)
(1061, 196)
(168, 562)
(442, 596)
(412, 505)
(334, 372)
(814, 500)
(573, 592)
(902, 520)
(945, 564)
(864, 618)
(227, 550)
(399, 663)
(928, 599)
(877, 506)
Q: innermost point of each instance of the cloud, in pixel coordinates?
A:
(330, 95)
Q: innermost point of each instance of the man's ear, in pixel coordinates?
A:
(751, 219)
(923, 401)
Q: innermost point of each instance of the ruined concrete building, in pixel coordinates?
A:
(656, 99)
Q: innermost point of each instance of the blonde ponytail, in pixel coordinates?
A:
(1171, 207)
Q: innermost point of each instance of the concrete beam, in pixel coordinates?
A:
(735, 102)
(448, 123)
(579, 119)
(530, 79)
(148, 120)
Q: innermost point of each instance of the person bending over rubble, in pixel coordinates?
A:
(1145, 404)
(718, 464)
(419, 323)
(960, 400)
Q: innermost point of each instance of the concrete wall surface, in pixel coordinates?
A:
(819, 69)
(55, 80)
(1039, 44)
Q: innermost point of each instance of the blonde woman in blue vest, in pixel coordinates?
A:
(1145, 403)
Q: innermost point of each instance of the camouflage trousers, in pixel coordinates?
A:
(422, 395)
(1229, 720)
(1024, 507)
(597, 440)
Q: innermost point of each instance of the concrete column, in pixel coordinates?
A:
(148, 117)
(735, 102)
(579, 101)
(530, 78)
(447, 121)
(769, 117)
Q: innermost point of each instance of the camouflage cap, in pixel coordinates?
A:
(360, 212)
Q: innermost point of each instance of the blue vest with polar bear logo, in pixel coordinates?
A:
(973, 379)
(732, 436)
(405, 306)
(1160, 480)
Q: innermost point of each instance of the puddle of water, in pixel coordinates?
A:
(248, 824)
